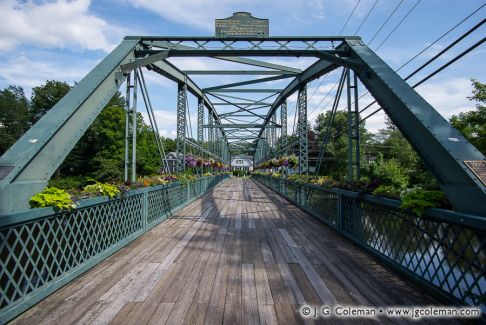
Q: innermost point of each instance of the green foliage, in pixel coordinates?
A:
(417, 199)
(101, 189)
(52, 197)
(387, 190)
(336, 153)
(68, 182)
(14, 116)
(472, 124)
(238, 173)
(46, 96)
(389, 173)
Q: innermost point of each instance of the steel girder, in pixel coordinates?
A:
(302, 130)
(200, 120)
(442, 148)
(27, 166)
(283, 123)
(181, 126)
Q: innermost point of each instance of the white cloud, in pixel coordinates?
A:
(200, 14)
(449, 96)
(27, 73)
(54, 24)
(166, 122)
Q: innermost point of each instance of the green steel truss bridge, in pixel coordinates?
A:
(28, 165)
(43, 250)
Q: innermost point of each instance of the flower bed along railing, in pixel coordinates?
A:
(442, 250)
(42, 250)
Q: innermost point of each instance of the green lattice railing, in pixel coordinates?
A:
(442, 250)
(41, 250)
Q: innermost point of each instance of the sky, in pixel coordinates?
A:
(64, 40)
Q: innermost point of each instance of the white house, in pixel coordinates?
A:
(244, 163)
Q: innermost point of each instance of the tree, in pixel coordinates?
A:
(46, 96)
(336, 156)
(14, 116)
(472, 124)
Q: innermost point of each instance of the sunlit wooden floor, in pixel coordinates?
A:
(239, 255)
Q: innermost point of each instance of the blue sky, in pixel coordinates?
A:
(64, 40)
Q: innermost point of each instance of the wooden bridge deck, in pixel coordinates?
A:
(239, 255)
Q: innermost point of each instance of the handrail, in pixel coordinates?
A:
(41, 249)
(443, 251)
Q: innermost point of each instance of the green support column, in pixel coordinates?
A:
(127, 126)
(283, 123)
(356, 126)
(273, 133)
(211, 133)
(134, 129)
(28, 165)
(181, 126)
(200, 120)
(302, 131)
(350, 126)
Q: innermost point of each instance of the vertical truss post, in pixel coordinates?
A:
(211, 133)
(134, 127)
(283, 122)
(353, 131)
(273, 133)
(356, 125)
(350, 126)
(127, 126)
(200, 120)
(302, 131)
(181, 126)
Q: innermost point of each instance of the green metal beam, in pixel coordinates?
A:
(248, 90)
(240, 126)
(442, 148)
(139, 63)
(248, 82)
(316, 70)
(168, 70)
(27, 166)
(238, 72)
(263, 104)
(236, 59)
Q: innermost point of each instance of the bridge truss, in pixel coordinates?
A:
(239, 118)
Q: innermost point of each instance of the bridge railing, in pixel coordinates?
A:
(442, 250)
(41, 250)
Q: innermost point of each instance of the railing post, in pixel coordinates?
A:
(145, 210)
(340, 219)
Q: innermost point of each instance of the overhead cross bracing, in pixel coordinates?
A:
(243, 88)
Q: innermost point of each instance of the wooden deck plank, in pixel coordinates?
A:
(241, 254)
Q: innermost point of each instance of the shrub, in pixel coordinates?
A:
(52, 197)
(238, 173)
(101, 189)
(390, 173)
(417, 199)
(387, 190)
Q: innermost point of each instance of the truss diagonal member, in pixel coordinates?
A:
(168, 70)
(27, 166)
(139, 63)
(442, 148)
(313, 72)
(236, 59)
(248, 82)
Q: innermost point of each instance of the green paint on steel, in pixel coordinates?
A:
(40, 151)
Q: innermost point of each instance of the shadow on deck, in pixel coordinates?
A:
(240, 254)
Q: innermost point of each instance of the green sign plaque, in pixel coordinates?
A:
(478, 167)
(242, 24)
